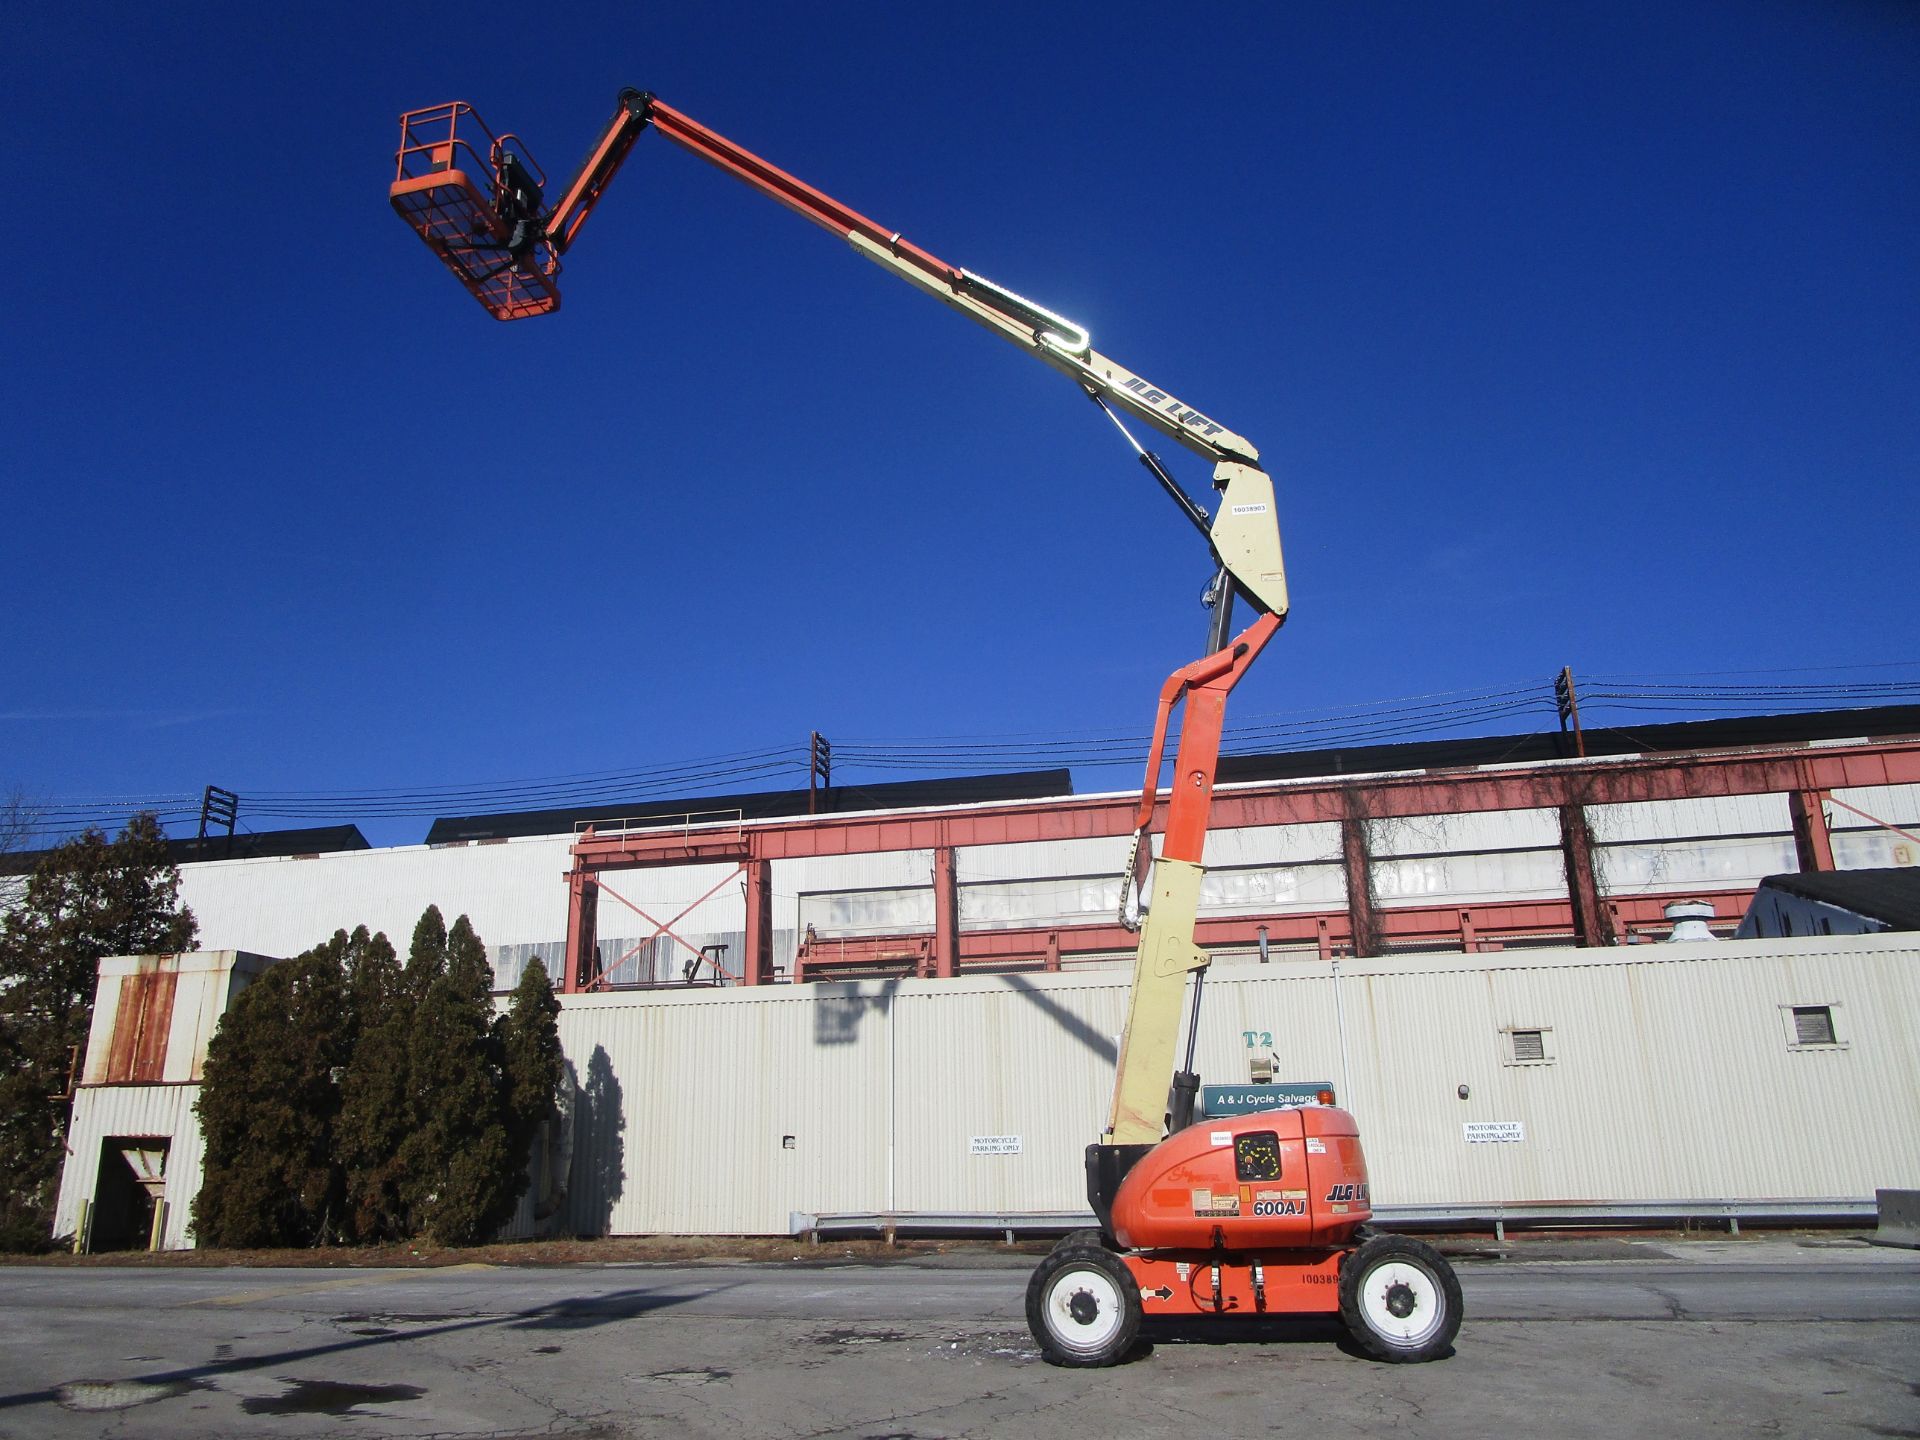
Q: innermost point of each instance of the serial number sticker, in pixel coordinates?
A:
(1279, 1207)
(1250, 509)
(1220, 1137)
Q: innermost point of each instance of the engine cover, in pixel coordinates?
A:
(1275, 1178)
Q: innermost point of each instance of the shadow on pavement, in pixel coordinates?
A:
(570, 1314)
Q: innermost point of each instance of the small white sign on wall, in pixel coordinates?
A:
(1495, 1132)
(994, 1145)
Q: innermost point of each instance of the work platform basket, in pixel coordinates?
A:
(477, 200)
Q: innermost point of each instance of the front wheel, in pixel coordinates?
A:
(1400, 1299)
(1083, 1306)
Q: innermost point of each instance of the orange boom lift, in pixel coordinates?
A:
(1258, 1214)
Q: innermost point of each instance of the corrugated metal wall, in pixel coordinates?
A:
(1713, 842)
(133, 1111)
(1467, 858)
(1671, 1073)
(1671, 1076)
(1860, 843)
(513, 892)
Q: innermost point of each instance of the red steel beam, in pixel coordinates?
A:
(1477, 927)
(1792, 771)
(1287, 802)
(946, 913)
(1356, 864)
(1812, 842)
(757, 963)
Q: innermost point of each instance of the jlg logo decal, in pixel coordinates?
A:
(1159, 399)
(1347, 1193)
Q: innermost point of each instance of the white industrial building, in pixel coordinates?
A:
(1712, 1079)
(1418, 959)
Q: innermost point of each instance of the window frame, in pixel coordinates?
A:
(1791, 1030)
(1509, 1051)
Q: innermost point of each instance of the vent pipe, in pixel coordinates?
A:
(1690, 919)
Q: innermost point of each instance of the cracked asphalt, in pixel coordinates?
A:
(1768, 1336)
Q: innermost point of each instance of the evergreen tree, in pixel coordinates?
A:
(85, 900)
(532, 1065)
(374, 1108)
(426, 953)
(453, 1159)
(268, 1104)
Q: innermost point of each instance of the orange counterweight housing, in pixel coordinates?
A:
(1274, 1179)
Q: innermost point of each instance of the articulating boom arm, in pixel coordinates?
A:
(1243, 533)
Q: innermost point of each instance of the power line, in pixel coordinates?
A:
(1429, 714)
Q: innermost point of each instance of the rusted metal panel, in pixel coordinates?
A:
(142, 1019)
(156, 1020)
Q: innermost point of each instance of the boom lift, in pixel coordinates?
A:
(1259, 1214)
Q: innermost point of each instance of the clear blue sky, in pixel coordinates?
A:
(1573, 334)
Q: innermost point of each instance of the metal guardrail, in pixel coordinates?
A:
(889, 1224)
(1496, 1218)
(686, 823)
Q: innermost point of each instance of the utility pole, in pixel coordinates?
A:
(218, 807)
(819, 769)
(1569, 702)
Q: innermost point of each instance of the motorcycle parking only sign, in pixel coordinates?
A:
(994, 1145)
(1495, 1132)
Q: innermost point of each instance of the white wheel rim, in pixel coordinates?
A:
(1398, 1281)
(1100, 1328)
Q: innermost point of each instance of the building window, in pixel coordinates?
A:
(1813, 1027)
(1528, 1045)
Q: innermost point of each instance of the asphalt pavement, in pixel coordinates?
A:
(1764, 1336)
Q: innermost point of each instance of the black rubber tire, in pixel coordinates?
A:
(1373, 1285)
(1098, 1284)
(1082, 1237)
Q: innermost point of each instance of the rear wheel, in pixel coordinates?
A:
(1083, 1306)
(1400, 1299)
(1075, 1238)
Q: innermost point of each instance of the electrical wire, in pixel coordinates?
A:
(1428, 715)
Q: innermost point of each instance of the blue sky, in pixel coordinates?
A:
(1572, 334)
